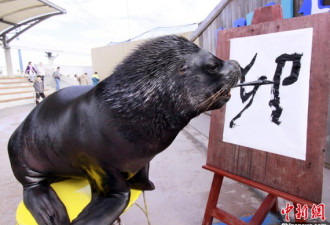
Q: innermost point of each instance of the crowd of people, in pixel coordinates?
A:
(84, 79)
(37, 77)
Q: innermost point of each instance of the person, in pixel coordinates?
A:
(39, 88)
(31, 72)
(41, 70)
(83, 79)
(77, 77)
(95, 78)
(57, 75)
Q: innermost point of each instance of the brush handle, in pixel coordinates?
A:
(254, 83)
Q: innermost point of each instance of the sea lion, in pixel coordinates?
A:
(108, 133)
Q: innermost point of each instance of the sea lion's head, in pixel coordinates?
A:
(209, 80)
(170, 75)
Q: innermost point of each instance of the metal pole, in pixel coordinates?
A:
(19, 54)
(20, 61)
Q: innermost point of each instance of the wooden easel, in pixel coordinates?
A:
(220, 153)
(269, 204)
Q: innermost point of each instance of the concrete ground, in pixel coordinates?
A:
(182, 186)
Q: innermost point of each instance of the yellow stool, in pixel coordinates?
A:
(75, 195)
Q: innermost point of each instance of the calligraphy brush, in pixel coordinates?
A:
(255, 83)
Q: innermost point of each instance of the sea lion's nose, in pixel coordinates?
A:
(231, 68)
(235, 64)
(232, 72)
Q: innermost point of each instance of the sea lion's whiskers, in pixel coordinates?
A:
(216, 95)
(213, 98)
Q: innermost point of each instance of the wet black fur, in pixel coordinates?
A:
(115, 128)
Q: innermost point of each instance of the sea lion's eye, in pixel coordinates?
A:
(212, 68)
(182, 69)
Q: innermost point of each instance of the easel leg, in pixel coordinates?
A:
(213, 199)
(268, 204)
(275, 208)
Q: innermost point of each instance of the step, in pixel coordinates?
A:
(15, 84)
(13, 95)
(13, 79)
(20, 101)
(16, 89)
(15, 101)
(21, 94)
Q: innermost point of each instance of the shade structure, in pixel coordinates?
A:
(24, 14)
(17, 16)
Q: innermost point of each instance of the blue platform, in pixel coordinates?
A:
(271, 219)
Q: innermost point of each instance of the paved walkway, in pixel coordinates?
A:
(182, 186)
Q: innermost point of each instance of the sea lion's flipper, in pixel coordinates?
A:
(108, 201)
(141, 180)
(44, 205)
(103, 210)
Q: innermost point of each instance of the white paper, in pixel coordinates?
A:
(255, 129)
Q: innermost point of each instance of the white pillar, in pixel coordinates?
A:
(9, 64)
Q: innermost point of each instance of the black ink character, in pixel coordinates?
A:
(292, 78)
(275, 91)
(246, 95)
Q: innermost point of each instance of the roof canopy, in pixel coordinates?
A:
(23, 14)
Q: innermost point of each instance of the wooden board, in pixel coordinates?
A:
(297, 177)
